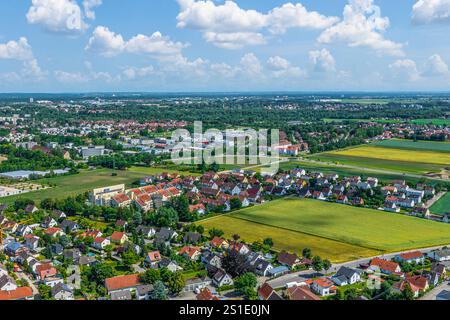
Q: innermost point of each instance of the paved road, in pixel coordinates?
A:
(303, 275)
(435, 199)
(22, 275)
(431, 295)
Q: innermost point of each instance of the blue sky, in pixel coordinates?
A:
(191, 45)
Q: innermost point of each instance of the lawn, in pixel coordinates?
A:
(415, 145)
(297, 223)
(87, 180)
(442, 206)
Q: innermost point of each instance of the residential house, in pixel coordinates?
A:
(440, 255)
(410, 257)
(147, 232)
(119, 237)
(323, 286)
(119, 283)
(49, 222)
(301, 293)
(69, 226)
(288, 259)
(23, 293)
(221, 278)
(100, 243)
(346, 276)
(386, 267)
(206, 295)
(170, 265)
(152, 259)
(267, 293)
(193, 253)
(62, 291)
(192, 237)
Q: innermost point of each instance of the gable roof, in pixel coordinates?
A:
(301, 293)
(122, 282)
(19, 293)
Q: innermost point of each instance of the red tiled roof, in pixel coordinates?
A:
(217, 242)
(384, 264)
(154, 256)
(117, 236)
(301, 293)
(19, 293)
(121, 198)
(411, 255)
(122, 282)
(265, 291)
(52, 231)
(206, 295)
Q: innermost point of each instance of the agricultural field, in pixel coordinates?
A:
(72, 185)
(292, 241)
(436, 122)
(298, 223)
(415, 145)
(389, 158)
(442, 206)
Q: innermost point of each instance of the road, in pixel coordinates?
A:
(435, 199)
(22, 275)
(431, 295)
(300, 276)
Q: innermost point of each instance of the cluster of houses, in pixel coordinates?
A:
(216, 190)
(420, 281)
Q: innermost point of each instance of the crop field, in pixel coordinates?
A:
(292, 241)
(415, 145)
(436, 122)
(366, 231)
(389, 158)
(72, 185)
(442, 206)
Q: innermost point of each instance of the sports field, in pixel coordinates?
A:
(353, 232)
(72, 185)
(442, 206)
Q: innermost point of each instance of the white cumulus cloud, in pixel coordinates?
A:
(428, 11)
(59, 16)
(229, 26)
(405, 69)
(107, 43)
(436, 66)
(362, 26)
(322, 60)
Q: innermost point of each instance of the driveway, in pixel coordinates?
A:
(431, 295)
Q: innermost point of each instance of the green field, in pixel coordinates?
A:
(415, 145)
(436, 122)
(442, 206)
(421, 160)
(87, 180)
(366, 231)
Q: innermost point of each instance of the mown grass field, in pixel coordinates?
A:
(415, 145)
(87, 180)
(442, 206)
(298, 223)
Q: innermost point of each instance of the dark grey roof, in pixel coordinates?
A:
(144, 289)
(68, 224)
(192, 237)
(121, 295)
(346, 272)
(61, 287)
(444, 295)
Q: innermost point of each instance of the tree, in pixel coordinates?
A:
(235, 203)
(247, 280)
(317, 264)
(45, 292)
(137, 218)
(326, 265)
(176, 282)
(215, 233)
(150, 276)
(407, 293)
(159, 291)
(307, 253)
(235, 263)
(100, 272)
(166, 217)
(268, 242)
